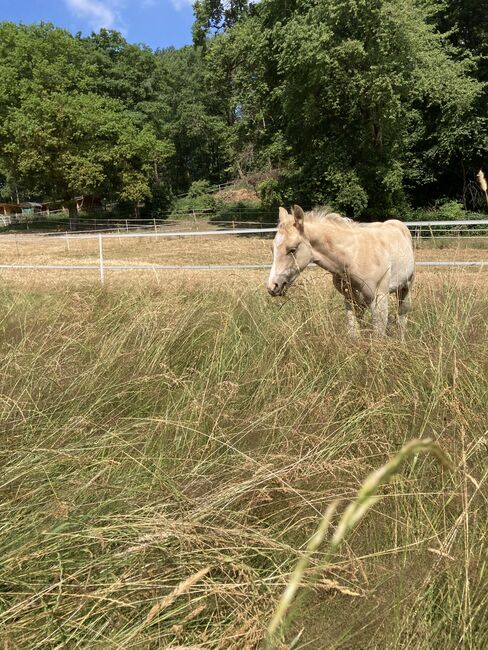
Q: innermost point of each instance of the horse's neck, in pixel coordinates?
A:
(327, 242)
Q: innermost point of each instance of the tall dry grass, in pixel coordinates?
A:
(169, 451)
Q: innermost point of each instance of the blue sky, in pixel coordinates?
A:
(157, 23)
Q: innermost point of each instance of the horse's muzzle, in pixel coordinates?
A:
(276, 289)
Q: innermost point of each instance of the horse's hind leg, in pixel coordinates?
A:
(379, 305)
(404, 306)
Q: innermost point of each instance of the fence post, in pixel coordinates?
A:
(100, 249)
(155, 227)
(67, 241)
(126, 225)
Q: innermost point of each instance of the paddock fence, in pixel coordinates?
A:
(472, 229)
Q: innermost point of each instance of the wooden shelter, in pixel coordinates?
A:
(30, 207)
(9, 208)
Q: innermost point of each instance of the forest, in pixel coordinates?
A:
(374, 107)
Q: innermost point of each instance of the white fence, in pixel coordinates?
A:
(436, 228)
(102, 267)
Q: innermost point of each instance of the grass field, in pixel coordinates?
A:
(171, 442)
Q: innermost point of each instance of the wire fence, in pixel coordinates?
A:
(167, 218)
(102, 267)
(435, 228)
(420, 229)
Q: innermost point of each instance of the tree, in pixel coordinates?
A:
(67, 144)
(190, 113)
(365, 105)
(59, 137)
(358, 100)
(212, 16)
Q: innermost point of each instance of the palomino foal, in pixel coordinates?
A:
(367, 261)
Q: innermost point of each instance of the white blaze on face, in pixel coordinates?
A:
(278, 240)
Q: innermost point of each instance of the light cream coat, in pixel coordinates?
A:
(367, 261)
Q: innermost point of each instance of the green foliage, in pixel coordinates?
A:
(356, 102)
(214, 15)
(98, 115)
(59, 137)
(367, 106)
(444, 210)
(270, 194)
(66, 144)
(244, 211)
(192, 117)
(199, 198)
(451, 211)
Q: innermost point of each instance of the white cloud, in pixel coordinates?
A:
(179, 4)
(98, 13)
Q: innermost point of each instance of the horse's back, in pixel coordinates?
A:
(402, 259)
(393, 225)
(398, 225)
(388, 246)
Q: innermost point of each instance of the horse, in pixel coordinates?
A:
(367, 262)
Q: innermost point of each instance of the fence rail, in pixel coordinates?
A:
(102, 267)
(196, 267)
(254, 231)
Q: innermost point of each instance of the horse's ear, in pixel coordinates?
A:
(283, 215)
(299, 216)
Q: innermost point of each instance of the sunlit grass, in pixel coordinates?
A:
(170, 448)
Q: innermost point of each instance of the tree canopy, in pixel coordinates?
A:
(365, 104)
(369, 106)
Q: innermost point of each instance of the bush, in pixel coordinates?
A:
(245, 211)
(444, 210)
(451, 211)
(270, 193)
(198, 199)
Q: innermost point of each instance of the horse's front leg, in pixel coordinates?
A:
(351, 319)
(354, 316)
(379, 313)
(353, 311)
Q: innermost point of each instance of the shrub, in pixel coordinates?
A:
(270, 193)
(198, 199)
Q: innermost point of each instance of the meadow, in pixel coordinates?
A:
(171, 442)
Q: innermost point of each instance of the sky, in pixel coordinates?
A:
(157, 23)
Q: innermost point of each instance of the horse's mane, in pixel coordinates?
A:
(327, 214)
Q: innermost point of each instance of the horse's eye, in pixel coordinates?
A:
(291, 251)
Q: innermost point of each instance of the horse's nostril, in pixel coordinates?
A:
(273, 289)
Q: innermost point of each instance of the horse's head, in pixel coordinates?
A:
(291, 251)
